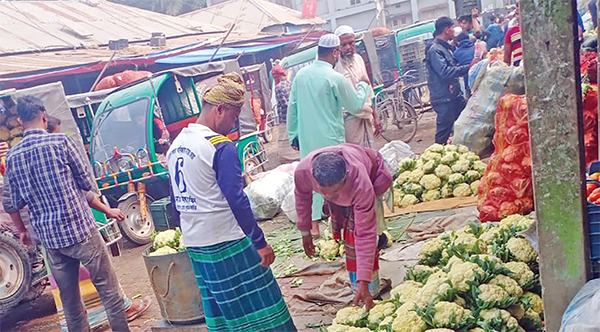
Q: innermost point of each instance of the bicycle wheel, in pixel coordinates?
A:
(405, 124)
(384, 111)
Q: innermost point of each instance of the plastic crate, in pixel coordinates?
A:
(419, 74)
(594, 230)
(163, 215)
(412, 52)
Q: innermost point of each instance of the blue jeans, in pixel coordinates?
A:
(447, 113)
(93, 254)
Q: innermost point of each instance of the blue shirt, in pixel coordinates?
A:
(496, 36)
(48, 173)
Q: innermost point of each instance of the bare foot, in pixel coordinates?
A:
(315, 229)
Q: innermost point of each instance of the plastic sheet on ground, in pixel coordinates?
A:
(582, 313)
(393, 152)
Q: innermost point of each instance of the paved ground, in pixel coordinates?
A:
(40, 315)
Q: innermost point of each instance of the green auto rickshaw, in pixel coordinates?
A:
(126, 153)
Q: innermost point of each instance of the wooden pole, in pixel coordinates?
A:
(553, 85)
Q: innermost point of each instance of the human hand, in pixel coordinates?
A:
(474, 12)
(267, 255)
(162, 141)
(363, 295)
(115, 214)
(309, 246)
(377, 125)
(25, 238)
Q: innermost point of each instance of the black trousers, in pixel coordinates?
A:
(447, 113)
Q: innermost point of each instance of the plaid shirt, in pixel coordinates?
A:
(48, 173)
(282, 95)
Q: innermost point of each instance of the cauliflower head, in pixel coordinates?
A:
(450, 148)
(446, 191)
(328, 249)
(521, 249)
(451, 315)
(532, 301)
(439, 330)
(532, 321)
(461, 166)
(518, 221)
(429, 167)
(477, 329)
(508, 284)
(497, 320)
(462, 148)
(429, 155)
(166, 250)
(349, 316)
(490, 234)
(470, 156)
(420, 273)
(169, 237)
(413, 188)
(430, 181)
(406, 291)
(462, 274)
(462, 190)
(475, 187)
(494, 296)
(409, 200)
(456, 178)
(443, 171)
(416, 175)
(431, 251)
(431, 195)
(402, 178)
(472, 176)
(408, 321)
(346, 328)
(436, 147)
(449, 158)
(436, 289)
(521, 273)
(380, 311)
(479, 166)
(398, 196)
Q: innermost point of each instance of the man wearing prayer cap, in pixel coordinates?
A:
(359, 127)
(227, 249)
(315, 112)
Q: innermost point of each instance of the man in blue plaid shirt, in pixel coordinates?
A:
(48, 174)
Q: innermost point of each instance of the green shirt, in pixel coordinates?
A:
(318, 96)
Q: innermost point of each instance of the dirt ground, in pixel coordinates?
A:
(40, 315)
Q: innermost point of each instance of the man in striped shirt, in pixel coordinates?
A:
(513, 52)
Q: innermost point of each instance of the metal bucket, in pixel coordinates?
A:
(175, 287)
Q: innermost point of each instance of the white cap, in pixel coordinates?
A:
(344, 30)
(457, 31)
(329, 41)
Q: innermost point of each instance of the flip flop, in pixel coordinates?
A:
(138, 307)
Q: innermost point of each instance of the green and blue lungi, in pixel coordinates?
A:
(238, 294)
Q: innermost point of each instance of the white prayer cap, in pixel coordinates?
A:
(344, 30)
(457, 31)
(329, 41)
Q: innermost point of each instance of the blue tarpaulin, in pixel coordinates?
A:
(224, 53)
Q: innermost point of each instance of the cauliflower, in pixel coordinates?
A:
(451, 315)
(470, 156)
(169, 237)
(521, 249)
(346, 328)
(532, 321)
(494, 296)
(380, 311)
(439, 330)
(456, 178)
(443, 171)
(517, 311)
(461, 166)
(449, 158)
(416, 175)
(429, 167)
(462, 274)
(451, 261)
(479, 166)
(472, 176)
(446, 191)
(431, 195)
(166, 250)
(342, 250)
(436, 289)
(431, 251)
(437, 148)
(490, 234)
(349, 316)
(428, 155)
(477, 329)
(328, 249)
(518, 221)
(398, 195)
(402, 178)
(462, 149)
(408, 321)
(508, 284)
(450, 148)
(475, 187)
(406, 291)
(409, 200)
(462, 190)
(420, 273)
(407, 164)
(385, 323)
(497, 320)
(521, 273)
(181, 246)
(430, 181)
(533, 301)
(413, 188)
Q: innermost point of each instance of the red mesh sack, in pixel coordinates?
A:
(506, 188)
(128, 76)
(590, 122)
(106, 83)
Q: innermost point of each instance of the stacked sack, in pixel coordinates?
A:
(590, 122)
(120, 79)
(506, 188)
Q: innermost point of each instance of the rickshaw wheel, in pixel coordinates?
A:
(253, 163)
(268, 133)
(134, 228)
(15, 272)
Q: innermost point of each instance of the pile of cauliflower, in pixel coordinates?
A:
(167, 242)
(481, 278)
(440, 172)
(328, 248)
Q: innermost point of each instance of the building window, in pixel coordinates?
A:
(403, 20)
(395, 23)
(354, 2)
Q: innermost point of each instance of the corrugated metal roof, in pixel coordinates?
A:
(250, 15)
(46, 25)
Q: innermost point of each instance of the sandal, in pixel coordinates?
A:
(138, 307)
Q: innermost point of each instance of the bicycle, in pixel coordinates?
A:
(395, 110)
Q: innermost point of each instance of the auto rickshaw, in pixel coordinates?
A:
(129, 163)
(257, 82)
